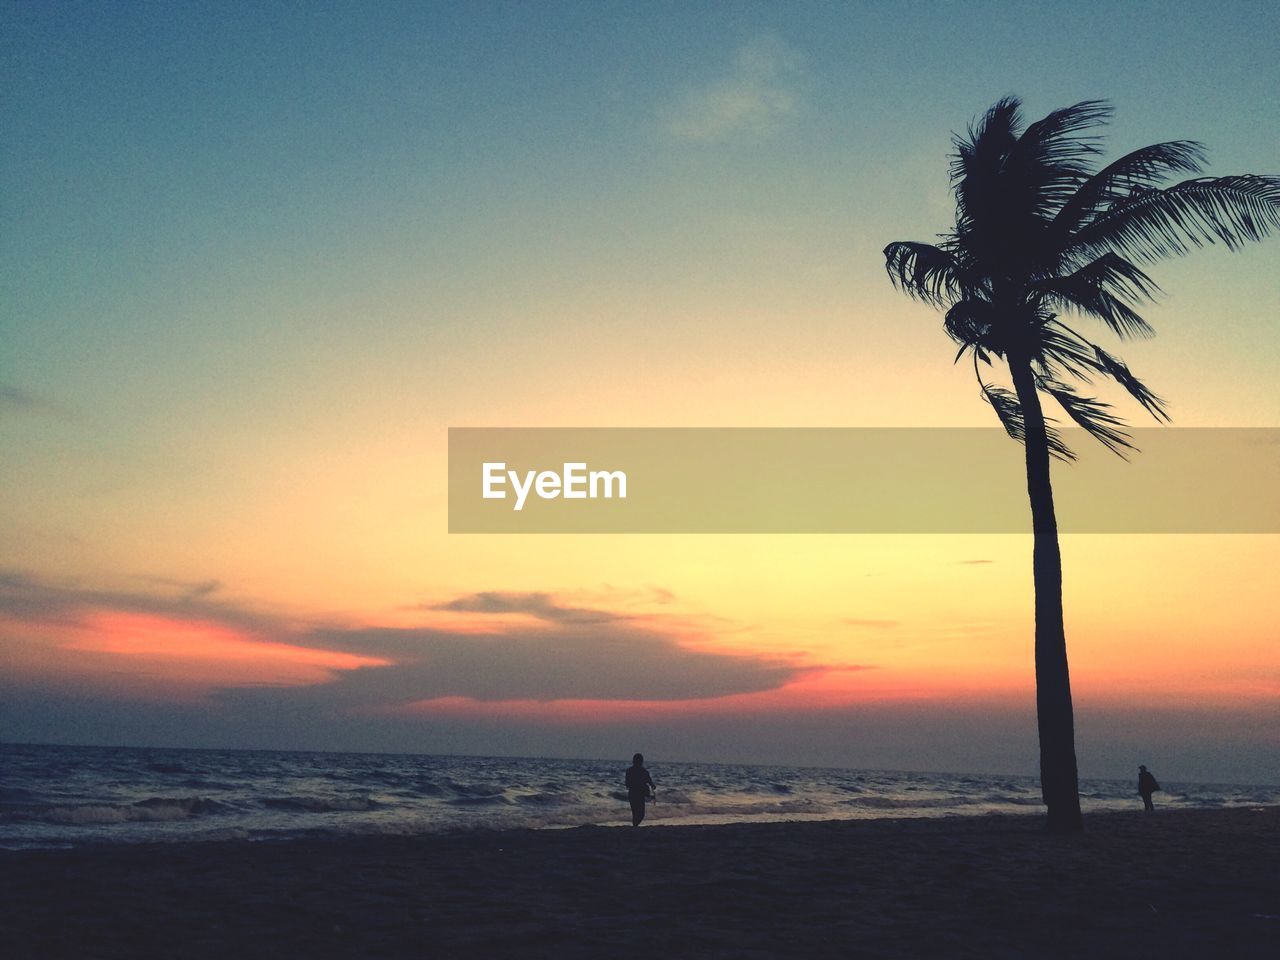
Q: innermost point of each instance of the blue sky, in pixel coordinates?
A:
(170, 163)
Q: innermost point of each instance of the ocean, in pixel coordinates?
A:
(60, 796)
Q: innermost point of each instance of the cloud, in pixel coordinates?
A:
(540, 605)
(566, 652)
(760, 90)
(661, 594)
(152, 645)
(33, 599)
(582, 661)
(871, 624)
(973, 562)
(190, 589)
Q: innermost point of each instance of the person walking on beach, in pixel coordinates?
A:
(639, 788)
(1146, 786)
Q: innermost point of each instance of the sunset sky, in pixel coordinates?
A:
(257, 259)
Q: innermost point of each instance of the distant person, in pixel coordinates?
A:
(639, 788)
(1146, 786)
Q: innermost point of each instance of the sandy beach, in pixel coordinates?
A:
(1172, 884)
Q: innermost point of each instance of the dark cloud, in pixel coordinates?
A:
(188, 589)
(610, 660)
(540, 605)
(25, 597)
(567, 653)
(618, 658)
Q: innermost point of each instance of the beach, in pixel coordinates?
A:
(1174, 883)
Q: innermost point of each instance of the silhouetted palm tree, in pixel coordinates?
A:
(1039, 233)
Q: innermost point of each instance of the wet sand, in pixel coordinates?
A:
(1172, 884)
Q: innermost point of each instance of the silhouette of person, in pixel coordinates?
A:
(639, 788)
(1146, 786)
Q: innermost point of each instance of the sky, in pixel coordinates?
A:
(257, 259)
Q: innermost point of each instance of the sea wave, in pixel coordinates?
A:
(912, 803)
(494, 799)
(58, 796)
(167, 768)
(763, 808)
(547, 799)
(151, 810)
(321, 804)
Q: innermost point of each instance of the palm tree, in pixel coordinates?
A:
(1039, 233)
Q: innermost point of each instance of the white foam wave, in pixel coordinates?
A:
(154, 810)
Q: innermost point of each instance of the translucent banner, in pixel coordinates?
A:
(852, 480)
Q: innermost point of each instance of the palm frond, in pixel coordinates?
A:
(1058, 132)
(923, 271)
(979, 354)
(1052, 157)
(970, 322)
(1009, 410)
(1092, 414)
(992, 137)
(1116, 369)
(1103, 288)
(1138, 170)
(1058, 346)
(1039, 234)
(978, 163)
(1150, 224)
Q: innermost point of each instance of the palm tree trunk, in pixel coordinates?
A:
(1058, 777)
